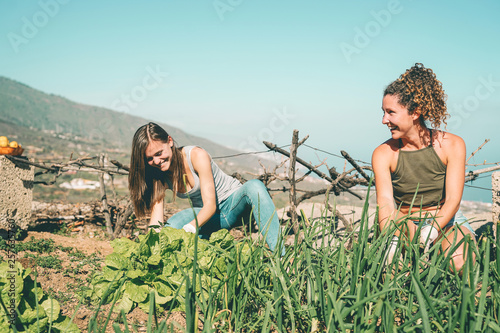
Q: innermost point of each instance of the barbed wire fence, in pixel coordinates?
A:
(116, 215)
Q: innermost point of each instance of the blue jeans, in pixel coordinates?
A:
(459, 220)
(251, 197)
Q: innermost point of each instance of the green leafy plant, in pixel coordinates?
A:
(334, 282)
(25, 307)
(158, 263)
(45, 261)
(34, 245)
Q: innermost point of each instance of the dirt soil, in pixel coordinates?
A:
(65, 281)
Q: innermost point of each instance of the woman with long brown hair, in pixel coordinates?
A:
(219, 201)
(420, 170)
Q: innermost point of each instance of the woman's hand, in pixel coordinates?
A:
(428, 234)
(189, 228)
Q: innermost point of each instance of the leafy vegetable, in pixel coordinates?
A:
(158, 262)
(36, 311)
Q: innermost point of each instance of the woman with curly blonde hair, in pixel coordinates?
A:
(420, 170)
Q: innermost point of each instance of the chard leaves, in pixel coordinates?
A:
(158, 263)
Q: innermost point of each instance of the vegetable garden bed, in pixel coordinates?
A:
(224, 285)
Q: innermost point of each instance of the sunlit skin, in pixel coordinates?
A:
(404, 126)
(159, 155)
(413, 135)
(400, 123)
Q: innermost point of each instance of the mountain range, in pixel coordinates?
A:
(52, 127)
(36, 118)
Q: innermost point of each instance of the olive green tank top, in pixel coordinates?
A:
(422, 169)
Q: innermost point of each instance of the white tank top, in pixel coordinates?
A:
(225, 185)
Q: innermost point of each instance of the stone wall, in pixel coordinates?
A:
(495, 186)
(16, 193)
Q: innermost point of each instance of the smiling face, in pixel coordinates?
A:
(397, 117)
(159, 154)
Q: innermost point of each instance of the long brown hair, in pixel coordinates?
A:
(147, 184)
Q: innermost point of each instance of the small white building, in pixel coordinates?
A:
(80, 184)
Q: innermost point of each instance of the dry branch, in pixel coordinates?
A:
(239, 177)
(74, 165)
(478, 149)
(107, 215)
(273, 147)
(122, 218)
(343, 180)
(120, 166)
(291, 179)
(311, 194)
(471, 175)
(355, 165)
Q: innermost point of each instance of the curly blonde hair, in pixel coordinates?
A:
(419, 89)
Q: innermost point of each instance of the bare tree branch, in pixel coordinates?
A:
(122, 218)
(107, 214)
(355, 165)
(471, 175)
(478, 149)
(291, 179)
(74, 165)
(239, 177)
(272, 146)
(120, 166)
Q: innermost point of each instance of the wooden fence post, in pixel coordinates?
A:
(495, 188)
(104, 200)
(291, 179)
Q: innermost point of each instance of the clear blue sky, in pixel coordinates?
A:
(243, 71)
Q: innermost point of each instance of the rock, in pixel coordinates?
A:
(16, 193)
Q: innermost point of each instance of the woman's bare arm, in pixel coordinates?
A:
(156, 213)
(202, 164)
(455, 151)
(381, 167)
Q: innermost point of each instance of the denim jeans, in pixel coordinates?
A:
(459, 219)
(250, 197)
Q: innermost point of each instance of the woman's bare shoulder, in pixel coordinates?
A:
(385, 155)
(387, 147)
(449, 140)
(200, 158)
(198, 152)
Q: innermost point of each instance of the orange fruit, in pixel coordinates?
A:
(13, 144)
(4, 142)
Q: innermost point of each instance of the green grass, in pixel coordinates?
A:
(44, 261)
(329, 282)
(317, 287)
(34, 245)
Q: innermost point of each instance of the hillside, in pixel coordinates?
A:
(47, 115)
(53, 128)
